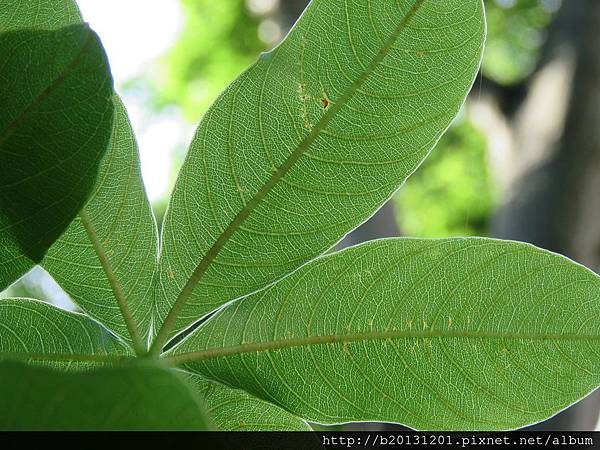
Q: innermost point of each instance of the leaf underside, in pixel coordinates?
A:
(450, 334)
(38, 14)
(119, 225)
(33, 331)
(235, 410)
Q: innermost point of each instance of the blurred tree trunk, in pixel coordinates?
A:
(382, 225)
(552, 191)
(289, 11)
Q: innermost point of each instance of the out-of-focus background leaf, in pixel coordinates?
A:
(521, 162)
(453, 192)
(517, 32)
(40, 399)
(192, 75)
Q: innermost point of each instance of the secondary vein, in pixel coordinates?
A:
(278, 174)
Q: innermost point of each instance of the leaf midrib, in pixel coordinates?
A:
(344, 339)
(278, 174)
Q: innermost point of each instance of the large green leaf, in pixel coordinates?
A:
(140, 397)
(109, 252)
(454, 334)
(310, 141)
(236, 410)
(55, 95)
(37, 331)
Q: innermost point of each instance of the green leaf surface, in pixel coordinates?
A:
(39, 332)
(38, 14)
(310, 141)
(109, 252)
(55, 95)
(236, 410)
(452, 334)
(140, 397)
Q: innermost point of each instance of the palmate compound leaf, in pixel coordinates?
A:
(310, 141)
(236, 410)
(449, 334)
(136, 397)
(56, 100)
(39, 333)
(110, 250)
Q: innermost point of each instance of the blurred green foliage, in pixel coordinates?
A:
(452, 193)
(516, 35)
(218, 42)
